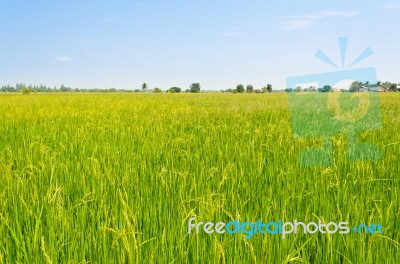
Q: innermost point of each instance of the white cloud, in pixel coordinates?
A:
(298, 23)
(304, 22)
(63, 59)
(391, 6)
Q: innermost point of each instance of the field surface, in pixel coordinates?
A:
(114, 178)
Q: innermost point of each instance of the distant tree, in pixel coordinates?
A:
(386, 86)
(20, 87)
(326, 88)
(174, 90)
(136, 90)
(249, 88)
(27, 90)
(7, 88)
(393, 87)
(157, 90)
(355, 86)
(240, 88)
(269, 88)
(144, 86)
(298, 89)
(64, 88)
(195, 88)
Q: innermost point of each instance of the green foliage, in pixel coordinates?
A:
(157, 90)
(27, 90)
(326, 88)
(355, 86)
(195, 88)
(240, 88)
(269, 88)
(174, 90)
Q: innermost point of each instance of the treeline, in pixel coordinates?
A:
(193, 88)
(19, 87)
(355, 86)
(249, 89)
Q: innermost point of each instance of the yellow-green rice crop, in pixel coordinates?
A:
(114, 178)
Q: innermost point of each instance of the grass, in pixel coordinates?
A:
(114, 178)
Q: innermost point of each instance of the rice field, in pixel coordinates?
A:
(114, 178)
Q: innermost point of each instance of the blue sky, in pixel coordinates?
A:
(220, 43)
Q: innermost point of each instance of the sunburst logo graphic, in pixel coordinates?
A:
(333, 99)
(343, 41)
(327, 114)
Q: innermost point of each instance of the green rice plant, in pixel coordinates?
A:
(114, 178)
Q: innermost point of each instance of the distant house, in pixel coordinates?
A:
(363, 89)
(381, 89)
(376, 89)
